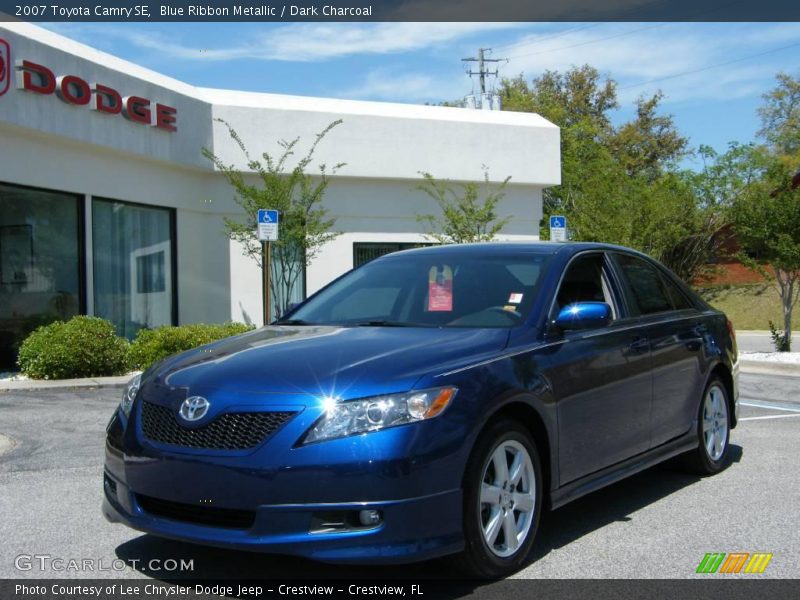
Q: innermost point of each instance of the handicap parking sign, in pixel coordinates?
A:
(558, 228)
(267, 225)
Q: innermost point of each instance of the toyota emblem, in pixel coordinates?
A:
(194, 408)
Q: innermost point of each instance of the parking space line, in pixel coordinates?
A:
(769, 406)
(768, 417)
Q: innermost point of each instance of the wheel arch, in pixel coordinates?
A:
(523, 412)
(726, 376)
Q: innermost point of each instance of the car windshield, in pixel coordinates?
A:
(430, 289)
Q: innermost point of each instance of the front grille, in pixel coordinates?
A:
(228, 518)
(230, 431)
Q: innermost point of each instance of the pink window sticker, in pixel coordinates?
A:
(515, 298)
(440, 289)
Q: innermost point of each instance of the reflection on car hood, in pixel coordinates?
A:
(343, 362)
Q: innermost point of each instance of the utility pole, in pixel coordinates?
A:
(482, 72)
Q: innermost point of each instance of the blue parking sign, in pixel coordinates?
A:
(267, 215)
(267, 225)
(558, 228)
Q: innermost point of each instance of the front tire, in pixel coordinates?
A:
(502, 500)
(713, 431)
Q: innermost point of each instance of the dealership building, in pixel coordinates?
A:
(109, 208)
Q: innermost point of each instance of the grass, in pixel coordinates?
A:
(747, 306)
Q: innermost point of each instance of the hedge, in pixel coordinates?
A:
(80, 347)
(151, 345)
(89, 347)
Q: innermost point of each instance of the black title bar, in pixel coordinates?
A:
(371, 589)
(400, 10)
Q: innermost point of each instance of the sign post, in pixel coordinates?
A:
(267, 233)
(558, 228)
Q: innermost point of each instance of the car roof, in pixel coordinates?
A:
(497, 248)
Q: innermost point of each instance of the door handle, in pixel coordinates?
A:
(639, 344)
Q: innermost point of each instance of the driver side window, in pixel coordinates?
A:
(586, 281)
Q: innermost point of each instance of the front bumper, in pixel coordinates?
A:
(410, 474)
(413, 529)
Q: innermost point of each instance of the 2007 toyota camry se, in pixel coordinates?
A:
(430, 402)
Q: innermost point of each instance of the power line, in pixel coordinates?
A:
(594, 41)
(551, 37)
(688, 18)
(709, 67)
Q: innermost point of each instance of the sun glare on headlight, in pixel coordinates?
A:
(351, 417)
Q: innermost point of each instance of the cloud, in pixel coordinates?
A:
(394, 85)
(298, 42)
(635, 54)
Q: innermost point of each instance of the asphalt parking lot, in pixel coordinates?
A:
(658, 524)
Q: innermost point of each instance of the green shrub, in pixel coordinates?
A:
(151, 345)
(780, 338)
(80, 347)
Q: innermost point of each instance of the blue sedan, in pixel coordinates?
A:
(431, 402)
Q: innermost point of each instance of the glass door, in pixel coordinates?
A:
(40, 263)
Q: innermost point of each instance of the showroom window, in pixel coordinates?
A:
(40, 263)
(289, 279)
(133, 249)
(365, 252)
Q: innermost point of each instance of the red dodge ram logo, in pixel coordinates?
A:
(5, 61)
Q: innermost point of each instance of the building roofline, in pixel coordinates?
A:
(237, 98)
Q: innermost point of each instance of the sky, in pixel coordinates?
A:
(712, 74)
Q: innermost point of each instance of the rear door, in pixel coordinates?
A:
(600, 377)
(675, 332)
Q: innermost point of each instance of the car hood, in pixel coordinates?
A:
(341, 362)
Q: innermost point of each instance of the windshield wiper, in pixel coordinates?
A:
(385, 323)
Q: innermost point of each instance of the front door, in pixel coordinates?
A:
(601, 378)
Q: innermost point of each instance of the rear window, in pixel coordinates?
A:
(646, 285)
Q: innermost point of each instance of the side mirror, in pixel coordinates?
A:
(583, 315)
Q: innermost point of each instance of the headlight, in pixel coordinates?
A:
(369, 414)
(129, 394)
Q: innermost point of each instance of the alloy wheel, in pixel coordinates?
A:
(508, 498)
(715, 422)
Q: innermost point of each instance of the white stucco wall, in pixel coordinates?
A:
(47, 143)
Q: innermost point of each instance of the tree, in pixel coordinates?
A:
(766, 219)
(618, 184)
(304, 223)
(465, 217)
(715, 188)
(579, 103)
(724, 177)
(780, 116)
(649, 144)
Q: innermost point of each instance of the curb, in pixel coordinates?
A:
(63, 384)
(762, 367)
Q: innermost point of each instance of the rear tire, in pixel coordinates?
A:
(502, 501)
(712, 454)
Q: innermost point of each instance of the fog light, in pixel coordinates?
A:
(110, 485)
(370, 517)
